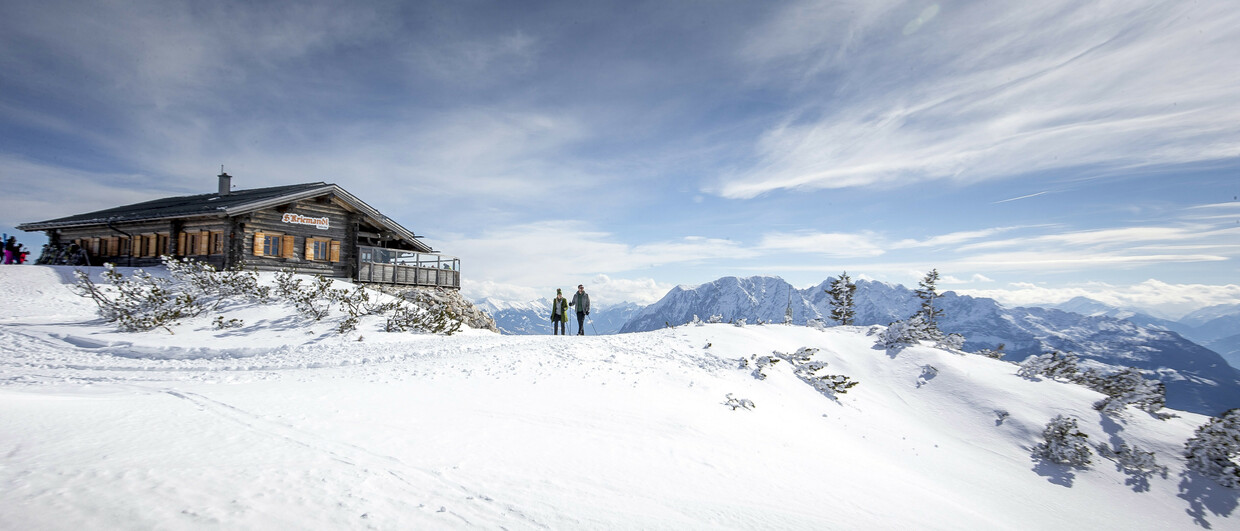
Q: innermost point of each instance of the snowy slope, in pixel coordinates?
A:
(288, 426)
(1197, 379)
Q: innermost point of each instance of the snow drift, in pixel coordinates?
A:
(283, 423)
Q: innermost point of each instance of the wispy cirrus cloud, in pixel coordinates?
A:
(534, 257)
(1035, 87)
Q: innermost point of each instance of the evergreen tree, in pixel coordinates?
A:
(927, 292)
(841, 292)
(1064, 444)
(1214, 449)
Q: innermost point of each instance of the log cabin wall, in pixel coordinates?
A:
(141, 244)
(291, 237)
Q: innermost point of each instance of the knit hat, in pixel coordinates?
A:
(558, 291)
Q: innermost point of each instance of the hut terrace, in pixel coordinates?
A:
(313, 228)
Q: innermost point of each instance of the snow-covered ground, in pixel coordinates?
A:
(285, 424)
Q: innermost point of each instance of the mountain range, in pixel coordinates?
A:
(1197, 379)
(1214, 327)
(534, 317)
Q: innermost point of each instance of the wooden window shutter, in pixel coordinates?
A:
(204, 239)
(258, 243)
(335, 253)
(309, 248)
(181, 244)
(286, 247)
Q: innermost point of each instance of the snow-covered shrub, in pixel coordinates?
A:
(1064, 443)
(696, 321)
(759, 364)
(1215, 447)
(1053, 365)
(357, 304)
(738, 403)
(138, 303)
(904, 333)
(997, 353)
(951, 342)
(715, 319)
(426, 314)
(215, 286)
(816, 323)
(1125, 387)
(224, 324)
(740, 322)
(806, 369)
(1133, 460)
(314, 300)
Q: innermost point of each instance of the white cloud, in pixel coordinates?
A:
(1156, 297)
(535, 258)
(842, 245)
(1036, 86)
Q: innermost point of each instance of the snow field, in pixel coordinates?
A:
(207, 428)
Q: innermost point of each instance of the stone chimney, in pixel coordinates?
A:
(225, 183)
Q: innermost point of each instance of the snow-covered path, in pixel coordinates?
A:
(289, 426)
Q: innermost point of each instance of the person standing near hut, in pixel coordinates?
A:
(581, 301)
(559, 314)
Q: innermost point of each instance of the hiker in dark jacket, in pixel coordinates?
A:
(559, 314)
(581, 301)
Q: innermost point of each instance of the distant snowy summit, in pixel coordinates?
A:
(1197, 379)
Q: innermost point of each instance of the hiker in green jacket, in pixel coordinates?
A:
(581, 301)
(559, 313)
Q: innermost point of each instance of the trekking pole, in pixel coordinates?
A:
(591, 321)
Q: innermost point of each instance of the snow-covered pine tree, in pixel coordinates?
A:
(1127, 386)
(1214, 448)
(1053, 365)
(927, 292)
(841, 292)
(1065, 444)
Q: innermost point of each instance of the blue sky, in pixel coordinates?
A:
(1030, 151)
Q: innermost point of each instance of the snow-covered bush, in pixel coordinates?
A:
(951, 342)
(816, 323)
(715, 319)
(1125, 387)
(314, 300)
(738, 403)
(759, 365)
(1133, 460)
(904, 333)
(740, 323)
(426, 314)
(997, 353)
(696, 321)
(138, 303)
(1064, 443)
(1053, 365)
(1215, 447)
(213, 286)
(223, 324)
(142, 302)
(806, 369)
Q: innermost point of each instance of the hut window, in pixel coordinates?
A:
(217, 243)
(161, 244)
(322, 249)
(191, 243)
(271, 245)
